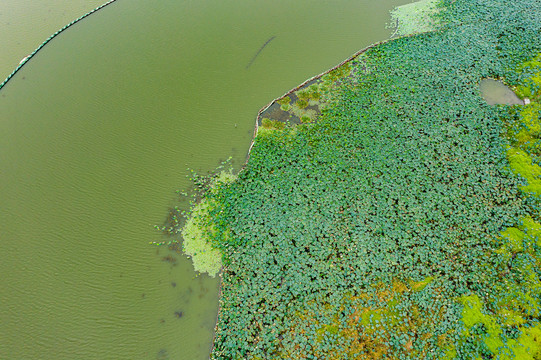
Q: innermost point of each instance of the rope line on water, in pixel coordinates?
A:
(26, 59)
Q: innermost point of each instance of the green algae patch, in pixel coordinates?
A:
(416, 17)
(472, 315)
(530, 117)
(490, 331)
(197, 232)
(304, 104)
(532, 229)
(272, 124)
(418, 286)
(530, 86)
(506, 325)
(523, 165)
(514, 238)
(204, 257)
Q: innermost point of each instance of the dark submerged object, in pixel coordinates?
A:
(259, 51)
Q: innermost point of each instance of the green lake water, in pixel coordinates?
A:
(495, 92)
(96, 134)
(24, 24)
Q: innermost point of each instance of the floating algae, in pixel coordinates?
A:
(196, 244)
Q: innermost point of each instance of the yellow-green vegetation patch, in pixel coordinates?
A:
(305, 115)
(416, 17)
(370, 331)
(531, 115)
(285, 107)
(506, 325)
(304, 105)
(523, 165)
(513, 240)
(420, 285)
(528, 128)
(334, 78)
(284, 103)
(313, 96)
(204, 257)
(284, 100)
(196, 241)
(272, 124)
(530, 87)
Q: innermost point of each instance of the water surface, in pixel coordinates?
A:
(24, 24)
(496, 93)
(96, 134)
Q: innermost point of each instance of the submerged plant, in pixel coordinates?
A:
(285, 107)
(283, 101)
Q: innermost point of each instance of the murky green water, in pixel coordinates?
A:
(495, 92)
(96, 133)
(24, 24)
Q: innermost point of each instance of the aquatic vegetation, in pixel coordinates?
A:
(305, 119)
(530, 86)
(301, 104)
(416, 17)
(303, 95)
(205, 258)
(283, 101)
(522, 164)
(304, 114)
(285, 104)
(285, 107)
(196, 243)
(272, 124)
(332, 80)
(404, 223)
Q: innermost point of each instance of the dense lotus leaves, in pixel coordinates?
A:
(385, 230)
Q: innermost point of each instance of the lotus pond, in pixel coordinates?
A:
(405, 222)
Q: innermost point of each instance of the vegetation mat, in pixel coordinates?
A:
(403, 224)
